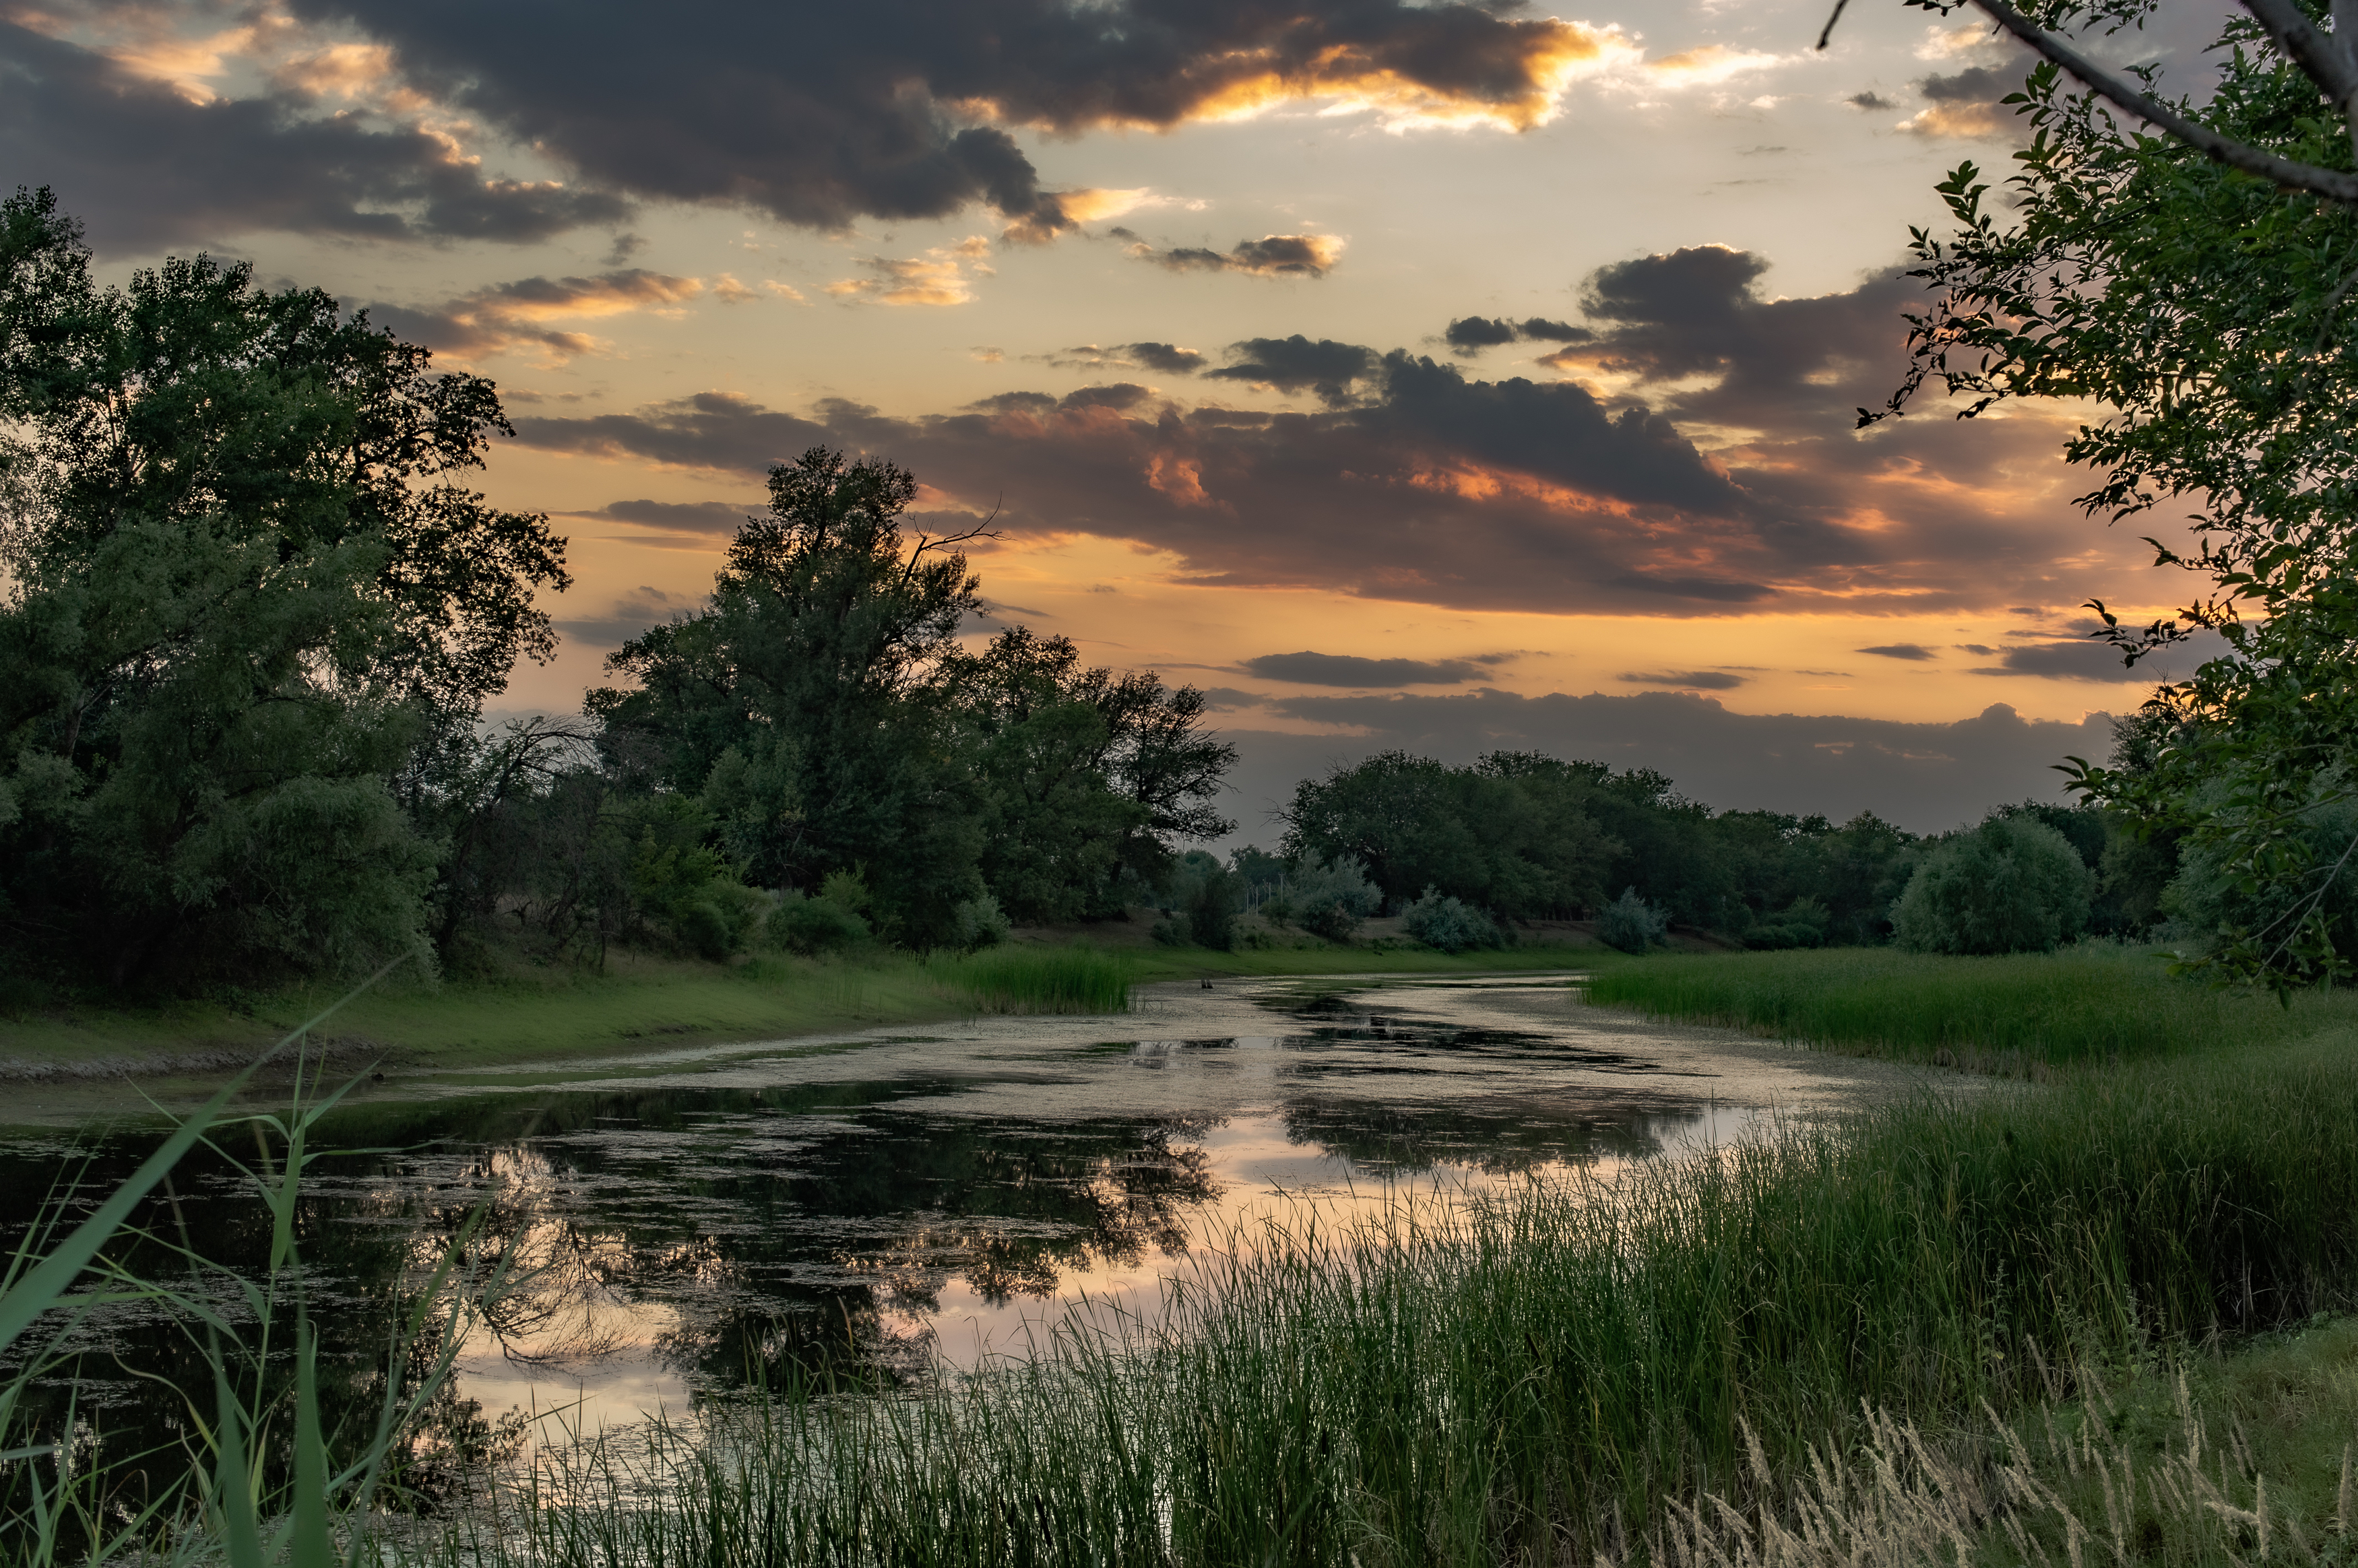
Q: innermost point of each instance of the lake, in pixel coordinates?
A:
(866, 1206)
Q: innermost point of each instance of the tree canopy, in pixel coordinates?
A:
(250, 598)
(2209, 315)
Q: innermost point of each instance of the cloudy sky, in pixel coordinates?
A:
(1439, 375)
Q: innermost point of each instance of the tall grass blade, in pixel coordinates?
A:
(41, 1286)
(310, 1542)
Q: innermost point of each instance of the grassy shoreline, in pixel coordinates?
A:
(2092, 1005)
(547, 1014)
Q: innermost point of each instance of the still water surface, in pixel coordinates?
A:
(877, 1202)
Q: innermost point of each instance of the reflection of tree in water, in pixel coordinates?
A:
(774, 1233)
(1495, 1135)
(363, 1283)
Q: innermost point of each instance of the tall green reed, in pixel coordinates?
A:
(2091, 1003)
(1532, 1378)
(1038, 979)
(217, 1499)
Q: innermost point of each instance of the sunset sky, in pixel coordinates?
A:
(1170, 285)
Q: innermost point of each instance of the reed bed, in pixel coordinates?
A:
(1038, 979)
(2094, 1002)
(1540, 1377)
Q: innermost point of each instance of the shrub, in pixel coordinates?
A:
(1211, 910)
(1630, 923)
(1172, 931)
(1330, 898)
(2012, 885)
(801, 923)
(1450, 924)
(978, 922)
(1803, 925)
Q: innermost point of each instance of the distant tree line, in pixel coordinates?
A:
(1522, 836)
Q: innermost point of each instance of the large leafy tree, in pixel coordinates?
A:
(823, 708)
(806, 704)
(1081, 774)
(248, 594)
(2208, 316)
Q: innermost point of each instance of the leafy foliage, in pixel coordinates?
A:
(251, 609)
(1440, 921)
(2012, 885)
(1329, 898)
(1630, 923)
(2209, 315)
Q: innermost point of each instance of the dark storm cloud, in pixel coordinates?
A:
(1420, 482)
(1168, 357)
(1925, 777)
(1686, 680)
(1902, 651)
(1015, 402)
(145, 168)
(1120, 394)
(1295, 364)
(1272, 255)
(1975, 84)
(823, 115)
(1307, 668)
(1870, 101)
(1434, 489)
(2087, 661)
(1470, 335)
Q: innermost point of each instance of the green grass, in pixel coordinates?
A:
(2095, 1002)
(1040, 979)
(531, 1013)
(1532, 1380)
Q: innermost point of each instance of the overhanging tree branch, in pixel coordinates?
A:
(2323, 59)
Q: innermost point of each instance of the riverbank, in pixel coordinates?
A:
(532, 1014)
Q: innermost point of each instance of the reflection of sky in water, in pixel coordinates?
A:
(693, 1219)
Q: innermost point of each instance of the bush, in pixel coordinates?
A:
(2012, 885)
(801, 923)
(1172, 931)
(1211, 912)
(1630, 923)
(978, 922)
(1330, 898)
(1803, 925)
(1450, 924)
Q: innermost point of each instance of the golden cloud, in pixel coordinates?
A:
(940, 276)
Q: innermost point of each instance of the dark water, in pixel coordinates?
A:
(694, 1222)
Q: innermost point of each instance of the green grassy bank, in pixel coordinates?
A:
(1539, 1380)
(531, 1013)
(2092, 1003)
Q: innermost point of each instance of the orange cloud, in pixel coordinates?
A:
(512, 317)
(943, 275)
